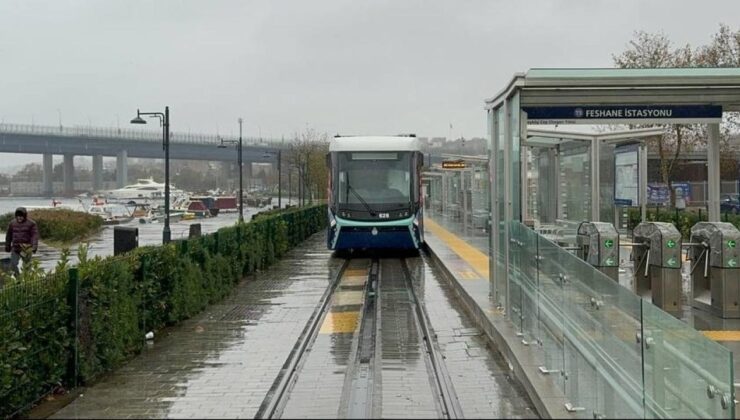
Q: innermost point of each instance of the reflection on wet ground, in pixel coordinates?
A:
(222, 362)
(407, 389)
(480, 375)
(317, 392)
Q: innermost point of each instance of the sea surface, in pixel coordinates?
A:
(102, 242)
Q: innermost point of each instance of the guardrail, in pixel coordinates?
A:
(129, 134)
(611, 353)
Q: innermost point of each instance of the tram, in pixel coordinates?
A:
(375, 198)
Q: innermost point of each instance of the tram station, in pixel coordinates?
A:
(533, 295)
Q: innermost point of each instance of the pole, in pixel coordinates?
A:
(280, 195)
(290, 187)
(241, 187)
(166, 230)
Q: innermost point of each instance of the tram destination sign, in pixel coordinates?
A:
(623, 114)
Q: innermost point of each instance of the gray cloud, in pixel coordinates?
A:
(339, 66)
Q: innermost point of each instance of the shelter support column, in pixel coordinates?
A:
(48, 183)
(69, 174)
(713, 173)
(643, 180)
(122, 169)
(97, 172)
(595, 180)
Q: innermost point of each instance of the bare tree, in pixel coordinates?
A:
(306, 154)
(655, 50)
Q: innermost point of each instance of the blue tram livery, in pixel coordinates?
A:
(375, 193)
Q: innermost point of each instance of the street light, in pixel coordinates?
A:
(164, 120)
(239, 163)
(279, 159)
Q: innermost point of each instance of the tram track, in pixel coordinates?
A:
(392, 341)
(276, 396)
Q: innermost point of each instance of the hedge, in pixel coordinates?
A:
(683, 220)
(103, 315)
(60, 225)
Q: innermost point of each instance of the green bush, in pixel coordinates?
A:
(35, 338)
(60, 225)
(123, 297)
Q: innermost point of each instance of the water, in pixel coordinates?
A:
(102, 243)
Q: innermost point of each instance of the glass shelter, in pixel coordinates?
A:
(607, 351)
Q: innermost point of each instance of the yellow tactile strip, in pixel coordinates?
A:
(732, 335)
(471, 255)
(339, 322)
(354, 280)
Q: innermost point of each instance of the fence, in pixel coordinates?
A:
(75, 324)
(697, 192)
(611, 353)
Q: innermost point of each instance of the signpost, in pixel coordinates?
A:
(453, 164)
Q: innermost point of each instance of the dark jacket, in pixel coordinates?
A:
(25, 232)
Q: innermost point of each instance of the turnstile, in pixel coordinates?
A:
(657, 256)
(715, 276)
(598, 245)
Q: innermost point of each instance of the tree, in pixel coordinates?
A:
(655, 50)
(30, 172)
(306, 154)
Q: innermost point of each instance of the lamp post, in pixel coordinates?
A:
(164, 120)
(239, 163)
(280, 178)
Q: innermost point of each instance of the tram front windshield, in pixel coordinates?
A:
(381, 179)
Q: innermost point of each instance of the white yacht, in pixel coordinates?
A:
(145, 190)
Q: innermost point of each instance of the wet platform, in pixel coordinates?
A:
(224, 362)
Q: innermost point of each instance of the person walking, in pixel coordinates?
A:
(22, 239)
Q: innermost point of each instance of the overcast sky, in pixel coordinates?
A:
(352, 67)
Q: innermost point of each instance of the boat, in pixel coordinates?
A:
(198, 208)
(210, 203)
(145, 190)
(111, 213)
(144, 213)
(227, 204)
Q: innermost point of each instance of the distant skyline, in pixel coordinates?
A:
(377, 67)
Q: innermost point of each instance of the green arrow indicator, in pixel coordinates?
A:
(732, 263)
(609, 243)
(609, 261)
(671, 243)
(731, 243)
(672, 261)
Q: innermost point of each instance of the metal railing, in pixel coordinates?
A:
(129, 134)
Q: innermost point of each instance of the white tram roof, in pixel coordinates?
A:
(373, 143)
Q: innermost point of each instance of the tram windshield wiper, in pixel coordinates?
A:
(362, 200)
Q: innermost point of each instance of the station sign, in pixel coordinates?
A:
(453, 164)
(624, 114)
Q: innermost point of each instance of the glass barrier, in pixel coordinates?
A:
(612, 354)
(686, 375)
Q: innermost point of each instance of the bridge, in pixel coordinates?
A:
(122, 144)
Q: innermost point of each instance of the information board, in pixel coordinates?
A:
(626, 176)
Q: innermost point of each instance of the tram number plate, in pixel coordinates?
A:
(384, 215)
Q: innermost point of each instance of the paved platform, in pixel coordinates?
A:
(222, 362)
(467, 266)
